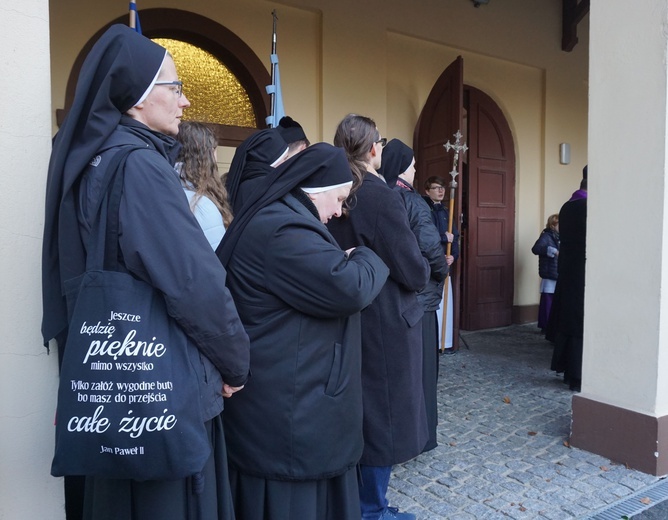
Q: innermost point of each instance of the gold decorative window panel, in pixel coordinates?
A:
(215, 94)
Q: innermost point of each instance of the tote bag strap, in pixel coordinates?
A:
(97, 255)
(111, 235)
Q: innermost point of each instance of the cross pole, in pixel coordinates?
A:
(457, 147)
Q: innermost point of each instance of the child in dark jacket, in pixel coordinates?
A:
(547, 249)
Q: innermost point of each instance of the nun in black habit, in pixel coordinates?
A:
(253, 160)
(128, 93)
(295, 432)
(398, 169)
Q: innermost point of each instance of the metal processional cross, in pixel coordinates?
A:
(457, 147)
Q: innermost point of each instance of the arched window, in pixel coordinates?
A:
(215, 94)
(223, 78)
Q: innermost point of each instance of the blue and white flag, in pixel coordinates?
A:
(274, 90)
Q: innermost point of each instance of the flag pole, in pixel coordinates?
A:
(135, 23)
(274, 90)
(274, 64)
(133, 14)
(457, 147)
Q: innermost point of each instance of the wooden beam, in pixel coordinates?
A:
(573, 12)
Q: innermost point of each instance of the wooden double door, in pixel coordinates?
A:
(483, 277)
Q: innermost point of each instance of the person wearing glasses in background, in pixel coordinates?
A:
(129, 94)
(435, 188)
(395, 421)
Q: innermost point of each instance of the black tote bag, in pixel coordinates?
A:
(128, 399)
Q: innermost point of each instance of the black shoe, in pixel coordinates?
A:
(449, 351)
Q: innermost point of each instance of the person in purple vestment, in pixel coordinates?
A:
(565, 327)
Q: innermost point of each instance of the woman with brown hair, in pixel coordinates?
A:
(395, 422)
(198, 170)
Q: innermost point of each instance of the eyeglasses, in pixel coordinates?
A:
(382, 141)
(437, 188)
(178, 84)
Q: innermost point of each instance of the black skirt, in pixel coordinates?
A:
(430, 374)
(256, 498)
(205, 497)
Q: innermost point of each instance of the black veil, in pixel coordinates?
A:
(321, 159)
(116, 74)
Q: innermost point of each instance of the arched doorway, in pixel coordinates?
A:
(483, 281)
(488, 208)
(209, 36)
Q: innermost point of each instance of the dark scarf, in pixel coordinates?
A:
(165, 145)
(119, 69)
(302, 197)
(553, 232)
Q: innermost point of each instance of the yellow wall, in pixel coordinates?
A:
(375, 57)
(381, 58)
(625, 360)
(28, 376)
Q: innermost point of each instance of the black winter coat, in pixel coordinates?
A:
(429, 241)
(162, 244)
(395, 427)
(299, 296)
(547, 265)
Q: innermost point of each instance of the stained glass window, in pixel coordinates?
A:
(215, 94)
